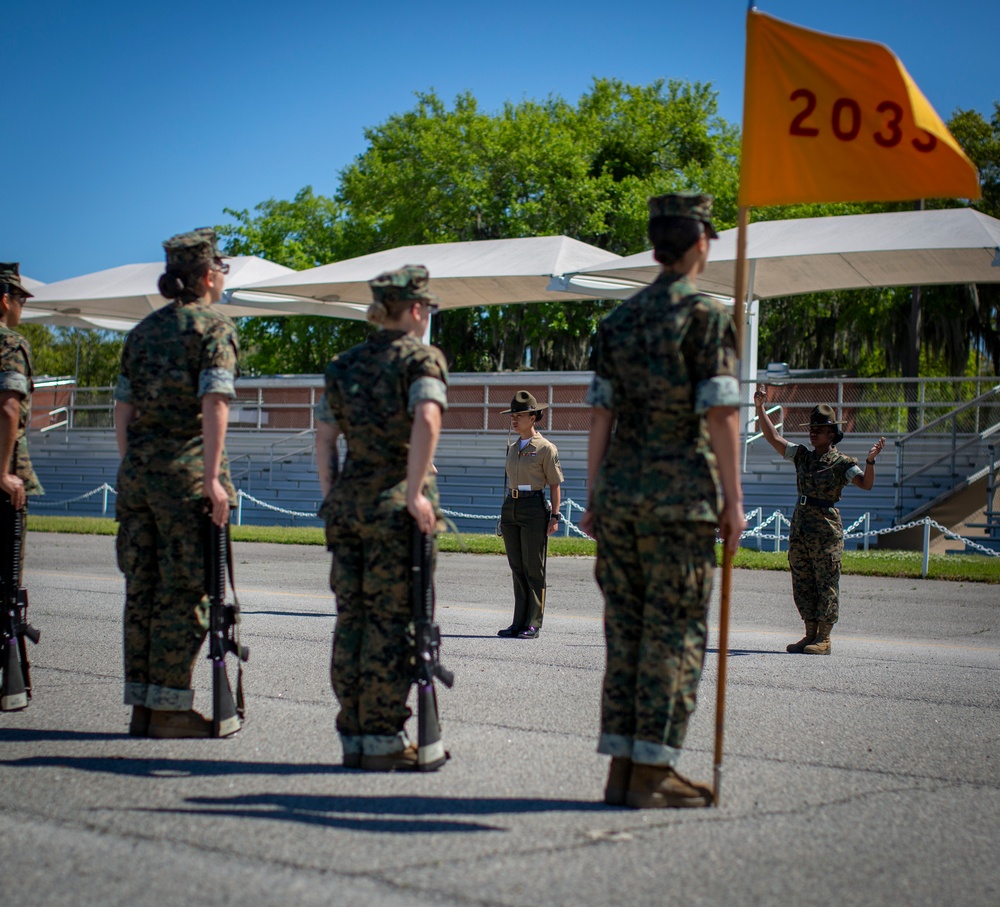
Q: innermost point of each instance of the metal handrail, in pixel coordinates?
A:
(271, 458)
(65, 422)
(233, 475)
(950, 415)
(955, 446)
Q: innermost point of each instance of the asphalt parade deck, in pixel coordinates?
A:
(869, 777)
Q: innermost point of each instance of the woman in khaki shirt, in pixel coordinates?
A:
(526, 519)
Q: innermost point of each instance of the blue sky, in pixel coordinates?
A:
(130, 121)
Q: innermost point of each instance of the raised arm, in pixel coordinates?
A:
(767, 428)
(867, 480)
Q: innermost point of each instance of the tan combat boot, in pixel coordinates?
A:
(170, 725)
(618, 778)
(660, 787)
(821, 644)
(400, 761)
(806, 640)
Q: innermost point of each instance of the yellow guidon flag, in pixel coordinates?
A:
(830, 119)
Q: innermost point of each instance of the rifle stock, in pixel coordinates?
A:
(15, 689)
(227, 713)
(426, 638)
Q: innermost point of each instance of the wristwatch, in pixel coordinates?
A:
(555, 516)
(870, 462)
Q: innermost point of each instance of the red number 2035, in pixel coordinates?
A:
(845, 121)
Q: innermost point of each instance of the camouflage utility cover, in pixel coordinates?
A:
(10, 273)
(171, 359)
(661, 360)
(409, 283)
(186, 250)
(690, 205)
(15, 375)
(371, 391)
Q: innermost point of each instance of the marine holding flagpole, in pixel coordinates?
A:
(665, 375)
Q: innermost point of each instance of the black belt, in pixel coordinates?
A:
(816, 502)
(515, 493)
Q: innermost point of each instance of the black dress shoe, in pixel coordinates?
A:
(509, 632)
(529, 633)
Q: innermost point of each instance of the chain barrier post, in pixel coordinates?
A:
(927, 547)
(568, 517)
(104, 507)
(868, 526)
(760, 527)
(239, 507)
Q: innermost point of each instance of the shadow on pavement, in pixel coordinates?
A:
(395, 815)
(166, 768)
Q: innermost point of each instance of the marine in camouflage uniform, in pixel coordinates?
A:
(174, 358)
(816, 537)
(664, 361)
(18, 481)
(374, 393)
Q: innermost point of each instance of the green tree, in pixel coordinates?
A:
(535, 168)
(93, 357)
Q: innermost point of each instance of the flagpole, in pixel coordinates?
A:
(727, 558)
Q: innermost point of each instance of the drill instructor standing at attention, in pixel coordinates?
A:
(526, 518)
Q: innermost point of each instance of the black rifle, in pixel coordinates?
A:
(223, 635)
(15, 690)
(426, 639)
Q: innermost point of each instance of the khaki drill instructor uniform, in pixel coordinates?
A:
(524, 521)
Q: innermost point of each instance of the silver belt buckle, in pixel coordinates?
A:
(802, 499)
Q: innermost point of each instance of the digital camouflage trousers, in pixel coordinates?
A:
(160, 552)
(815, 552)
(371, 670)
(656, 578)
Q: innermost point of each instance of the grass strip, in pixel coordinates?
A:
(972, 568)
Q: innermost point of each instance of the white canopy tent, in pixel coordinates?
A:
(128, 293)
(821, 254)
(478, 272)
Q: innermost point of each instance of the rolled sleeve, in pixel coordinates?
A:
(600, 393)
(217, 381)
(323, 413)
(427, 388)
(14, 381)
(852, 472)
(790, 451)
(123, 390)
(722, 390)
